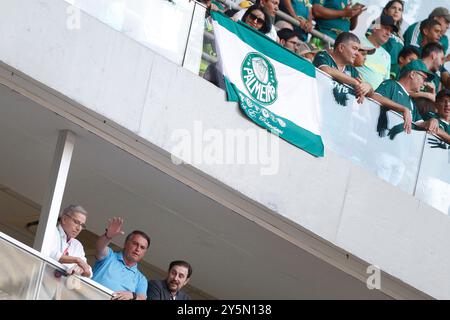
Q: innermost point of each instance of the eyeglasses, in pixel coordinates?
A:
(254, 17)
(77, 222)
(422, 75)
(294, 43)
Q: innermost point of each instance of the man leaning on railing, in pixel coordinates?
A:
(118, 271)
(442, 106)
(338, 63)
(64, 247)
(412, 78)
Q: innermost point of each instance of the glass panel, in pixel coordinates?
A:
(24, 276)
(209, 54)
(19, 272)
(433, 186)
(350, 130)
(192, 58)
(56, 286)
(161, 25)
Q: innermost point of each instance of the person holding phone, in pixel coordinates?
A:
(334, 17)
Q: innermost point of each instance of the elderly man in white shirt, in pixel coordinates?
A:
(65, 248)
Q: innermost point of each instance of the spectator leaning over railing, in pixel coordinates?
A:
(394, 95)
(433, 58)
(271, 7)
(377, 67)
(394, 45)
(300, 10)
(118, 271)
(64, 247)
(339, 64)
(406, 55)
(178, 276)
(334, 17)
(442, 113)
(414, 34)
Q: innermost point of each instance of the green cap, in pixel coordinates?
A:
(417, 65)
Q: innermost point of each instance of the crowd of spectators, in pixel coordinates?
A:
(384, 64)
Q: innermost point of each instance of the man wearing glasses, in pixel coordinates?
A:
(395, 96)
(289, 39)
(66, 249)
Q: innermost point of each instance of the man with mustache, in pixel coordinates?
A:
(178, 276)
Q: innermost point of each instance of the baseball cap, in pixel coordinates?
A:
(245, 4)
(417, 65)
(305, 48)
(369, 50)
(440, 12)
(385, 20)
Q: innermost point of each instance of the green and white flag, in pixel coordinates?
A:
(274, 87)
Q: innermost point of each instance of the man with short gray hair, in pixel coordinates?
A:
(65, 248)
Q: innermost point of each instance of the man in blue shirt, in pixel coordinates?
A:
(118, 270)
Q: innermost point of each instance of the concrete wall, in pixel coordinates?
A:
(119, 80)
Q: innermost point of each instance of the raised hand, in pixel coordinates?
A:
(114, 227)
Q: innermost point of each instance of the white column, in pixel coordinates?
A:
(51, 205)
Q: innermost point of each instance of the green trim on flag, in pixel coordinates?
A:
(231, 92)
(284, 128)
(265, 45)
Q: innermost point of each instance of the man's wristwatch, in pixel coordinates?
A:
(106, 235)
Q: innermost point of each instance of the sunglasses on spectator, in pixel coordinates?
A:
(258, 20)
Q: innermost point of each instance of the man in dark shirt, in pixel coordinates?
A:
(443, 114)
(338, 63)
(178, 276)
(395, 96)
